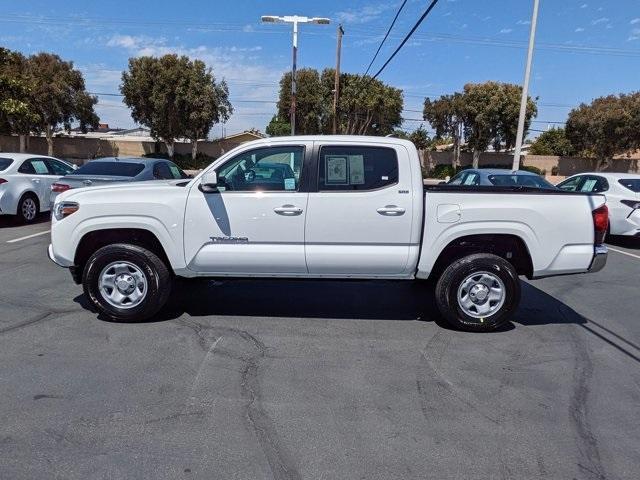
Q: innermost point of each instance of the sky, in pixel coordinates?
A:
(584, 48)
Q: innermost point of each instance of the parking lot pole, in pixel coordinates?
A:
(525, 87)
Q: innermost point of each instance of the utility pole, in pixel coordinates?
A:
(295, 20)
(525, 87)
(336, 82)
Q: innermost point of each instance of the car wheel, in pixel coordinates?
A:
(127, 283)
(28, 208)
(478, 292)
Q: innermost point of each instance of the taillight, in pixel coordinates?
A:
(600, 223)
(59, 187)
(634, 204)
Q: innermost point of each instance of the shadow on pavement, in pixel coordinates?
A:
(626, 242)
(355, 300)
(10, 221)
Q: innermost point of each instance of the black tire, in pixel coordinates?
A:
(451, 280)
(22, 216)
(158, 281)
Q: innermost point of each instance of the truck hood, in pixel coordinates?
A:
(111, 190)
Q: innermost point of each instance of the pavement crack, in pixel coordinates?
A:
(579, 409)
(38, 318)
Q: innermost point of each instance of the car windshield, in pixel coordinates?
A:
(112, 169)
(4, 163)
(632, 184)
(520, 181)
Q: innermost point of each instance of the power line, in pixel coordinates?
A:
(385, 36)
(407, 37)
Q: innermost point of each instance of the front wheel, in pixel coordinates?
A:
(478, 292)
(127, 283)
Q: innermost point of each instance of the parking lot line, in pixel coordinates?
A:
(625, 253)
(28, 236)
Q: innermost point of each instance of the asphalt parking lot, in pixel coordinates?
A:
(312, 380)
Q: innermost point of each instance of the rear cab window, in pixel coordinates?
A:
(110, 169)
(355, 168)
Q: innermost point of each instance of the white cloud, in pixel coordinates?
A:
(506, 30)
(634, 21)
(584, 5)
(599, 21)
(523, 22)
(579, 29)
(363, 15)
(635, 34)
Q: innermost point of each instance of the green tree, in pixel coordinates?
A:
(552, 142)
(59, 96)
(175, 98)
(16, 112)
(202, 102)
(311, 110)
(607, 127)
(365, 106)
(445, 117)
(490, 114)
(420, 138)
(278, 127)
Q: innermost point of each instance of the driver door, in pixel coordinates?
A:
(254, 223)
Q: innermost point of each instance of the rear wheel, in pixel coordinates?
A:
(28, 208)
(127, 283)
(478, 292)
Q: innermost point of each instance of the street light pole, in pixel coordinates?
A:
(525, 87)
(293, 77)
(295, 20)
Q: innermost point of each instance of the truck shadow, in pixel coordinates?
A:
(622, 241)
(357, 300)
(347, 299)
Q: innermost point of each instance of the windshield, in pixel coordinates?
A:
(4, 163)
(112, 169)
(520, 181)
(632, 184)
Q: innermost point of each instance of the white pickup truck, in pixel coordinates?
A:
(338, 207)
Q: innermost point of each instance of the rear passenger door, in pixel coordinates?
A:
(360, 211)
(37, 171)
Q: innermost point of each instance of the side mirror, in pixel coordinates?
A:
(209, 182)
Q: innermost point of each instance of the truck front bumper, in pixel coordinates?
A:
(599, 258)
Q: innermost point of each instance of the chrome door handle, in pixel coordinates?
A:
(288, 210)
(391, 210)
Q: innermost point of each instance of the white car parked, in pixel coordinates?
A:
(25, 183)
(622, 191)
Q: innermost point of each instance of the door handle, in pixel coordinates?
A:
(35, 180)
(288, 210)
(391, 210)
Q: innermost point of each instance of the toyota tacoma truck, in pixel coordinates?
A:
(334, 207)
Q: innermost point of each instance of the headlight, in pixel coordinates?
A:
(64, 209)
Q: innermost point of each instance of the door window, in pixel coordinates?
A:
(357, 168)
(161, 171)
(58, 168)
(571, 185)
(34, 166)
(269, 169)
(594, 184)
